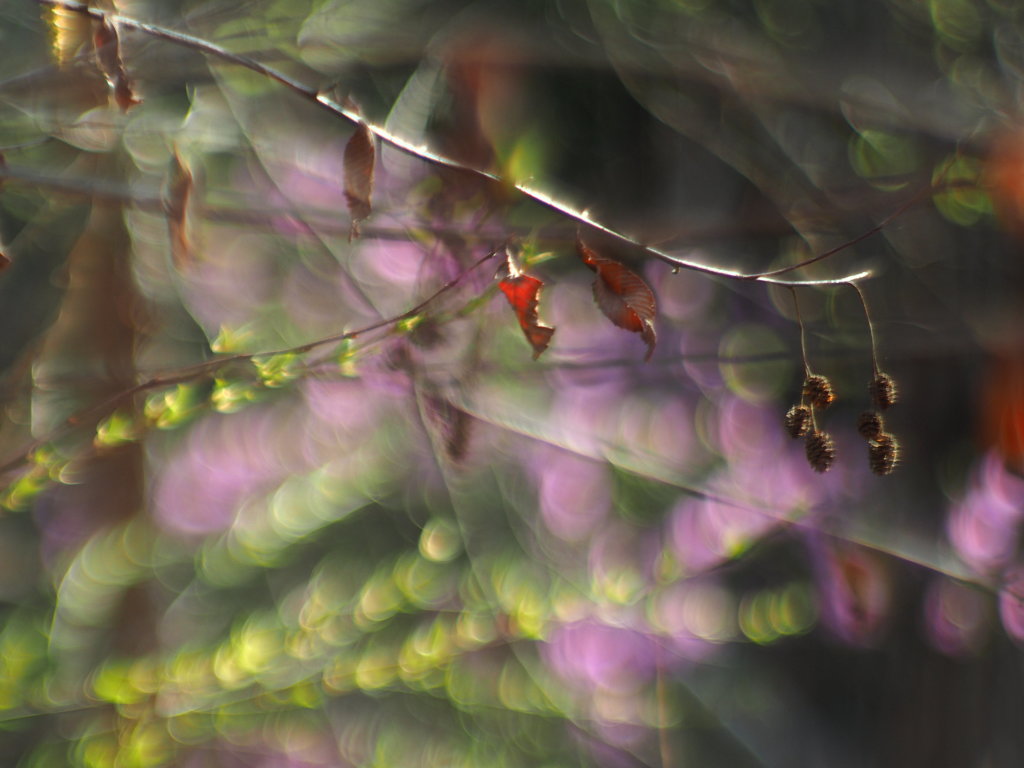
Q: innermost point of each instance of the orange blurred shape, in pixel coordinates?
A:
(484, 74)
(1004, 178)
(484, 70)
(1003, 407)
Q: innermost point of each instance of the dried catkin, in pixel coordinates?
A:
(821, 451)
(798, 420)
(818, 391)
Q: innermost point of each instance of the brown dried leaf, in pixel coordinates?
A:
(360, 156)
(179, 189)
(452, 424)
(622, 295)
(108, 58)
(4, 259)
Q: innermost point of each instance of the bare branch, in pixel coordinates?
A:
(428, 155)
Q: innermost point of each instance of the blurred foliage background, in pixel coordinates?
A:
(417, 546)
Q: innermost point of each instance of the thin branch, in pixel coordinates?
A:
(922, 194)
(322, 220)
(425, 153)
(200, 370)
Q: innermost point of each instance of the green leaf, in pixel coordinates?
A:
(231, 396)
(277, 370)
(173, 407)
(117, 429)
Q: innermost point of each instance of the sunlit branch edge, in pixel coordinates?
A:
(425, 153)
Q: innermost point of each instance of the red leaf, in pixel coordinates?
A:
(522, 292)
(622, 295)
(360, 153)
(108, 57)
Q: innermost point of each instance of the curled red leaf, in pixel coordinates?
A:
(360, 156)
(622, 295)
(108, 57)
(522, 292)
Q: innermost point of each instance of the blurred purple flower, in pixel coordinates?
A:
(696, 615)
(855, 591)
(225, 460)
(587, 413)
(956, 615)
(694, 534)
(1011, 602)
(983, 526)
(599, 656)
(574, 494)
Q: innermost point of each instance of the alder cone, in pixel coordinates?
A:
(883, 454)
(870, 425)
(818, 390)
(798, 420)
(883, 390)
(821, 451)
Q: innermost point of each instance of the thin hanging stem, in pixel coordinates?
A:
(871, 329)
(803, 333)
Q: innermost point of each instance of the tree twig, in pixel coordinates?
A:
(190, 373)
(428, 155)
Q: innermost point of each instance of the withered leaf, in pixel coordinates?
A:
(452, 424)
(622, 295)
(108, 57)
(179, 189)
(5, 261)
(360, 155)
(522, 292)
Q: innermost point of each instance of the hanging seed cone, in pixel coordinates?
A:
(870, 425)
(883, 390)
(798, 420)
(818, 390)
(883, 454)
(821, 451)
